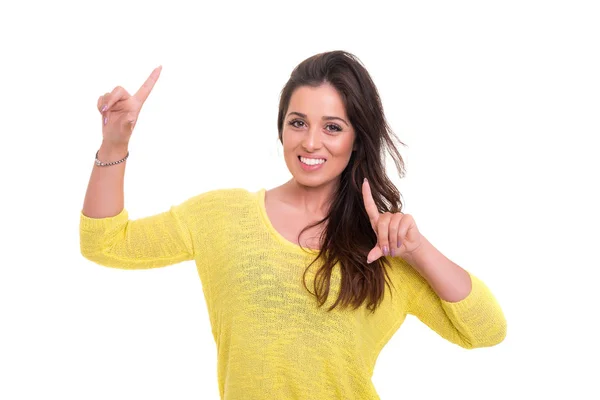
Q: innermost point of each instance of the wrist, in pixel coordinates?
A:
(418, 255)
(112, 151)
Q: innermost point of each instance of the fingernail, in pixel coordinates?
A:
(393, 253)
(105, 120)
(385, 251)
(104, 108)
(399, 244)
(368, 261)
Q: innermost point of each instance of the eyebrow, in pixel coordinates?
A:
(325, 118)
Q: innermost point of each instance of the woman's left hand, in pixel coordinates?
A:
(397, 233)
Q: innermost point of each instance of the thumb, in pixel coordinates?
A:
(374, 254)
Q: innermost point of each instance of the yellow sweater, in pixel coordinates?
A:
(273, 342)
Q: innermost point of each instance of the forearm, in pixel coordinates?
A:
(447, 279)
(105, 193)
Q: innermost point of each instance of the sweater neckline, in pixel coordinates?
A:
(274, 232)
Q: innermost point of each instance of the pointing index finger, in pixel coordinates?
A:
(144, 91)
(370, 205)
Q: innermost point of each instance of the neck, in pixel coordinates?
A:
(314, 200)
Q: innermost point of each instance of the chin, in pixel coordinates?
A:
(313, 182)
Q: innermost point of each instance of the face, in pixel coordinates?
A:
(317, 137)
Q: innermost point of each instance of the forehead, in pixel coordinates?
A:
(317, 101)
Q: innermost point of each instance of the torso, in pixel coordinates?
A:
(289, 221)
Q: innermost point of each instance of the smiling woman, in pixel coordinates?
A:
(330, 110)
(278, 338)
(313, 139)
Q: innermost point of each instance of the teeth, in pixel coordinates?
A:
(312, 161)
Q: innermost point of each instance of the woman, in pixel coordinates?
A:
(304, 283)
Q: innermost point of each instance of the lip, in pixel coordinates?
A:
(313, 157)
(308, 168)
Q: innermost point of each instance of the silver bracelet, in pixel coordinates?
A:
(103, 164)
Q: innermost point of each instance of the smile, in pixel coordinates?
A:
(311, 164)
(311, 161)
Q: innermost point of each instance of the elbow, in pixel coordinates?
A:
(90, 250)
(99, 244)
(97, 254)
(103, 260)
(87, 251)
(95, 257)
(89, 246)
(494, 335)
(89, 255)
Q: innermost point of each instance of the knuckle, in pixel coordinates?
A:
(382, 238)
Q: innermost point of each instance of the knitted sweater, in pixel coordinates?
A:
(273, 341)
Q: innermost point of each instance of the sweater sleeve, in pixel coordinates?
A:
(475, 321)
(149, 242)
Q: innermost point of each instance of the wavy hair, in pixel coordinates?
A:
(348, 236)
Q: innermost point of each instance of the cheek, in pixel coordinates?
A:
(288, 149)
(287, 145)
(342, 148)
(285, 136)
(290, 140)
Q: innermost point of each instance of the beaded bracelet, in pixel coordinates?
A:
(103, 164)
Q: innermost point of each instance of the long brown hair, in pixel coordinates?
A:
(348, 236)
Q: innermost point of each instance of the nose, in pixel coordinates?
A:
(312, 139)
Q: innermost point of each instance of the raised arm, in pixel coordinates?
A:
(447, 298)
(107, 235)
(119, 112)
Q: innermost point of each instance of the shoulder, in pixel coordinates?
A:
(226, 194)
(217, 201)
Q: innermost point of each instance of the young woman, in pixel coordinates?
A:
(306, 282)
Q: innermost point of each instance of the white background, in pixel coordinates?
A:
(497, 101)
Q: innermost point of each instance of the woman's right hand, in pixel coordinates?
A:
(120, 111)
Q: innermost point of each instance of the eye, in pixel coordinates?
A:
(336, 127)
(332, 127)
(294, 121)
